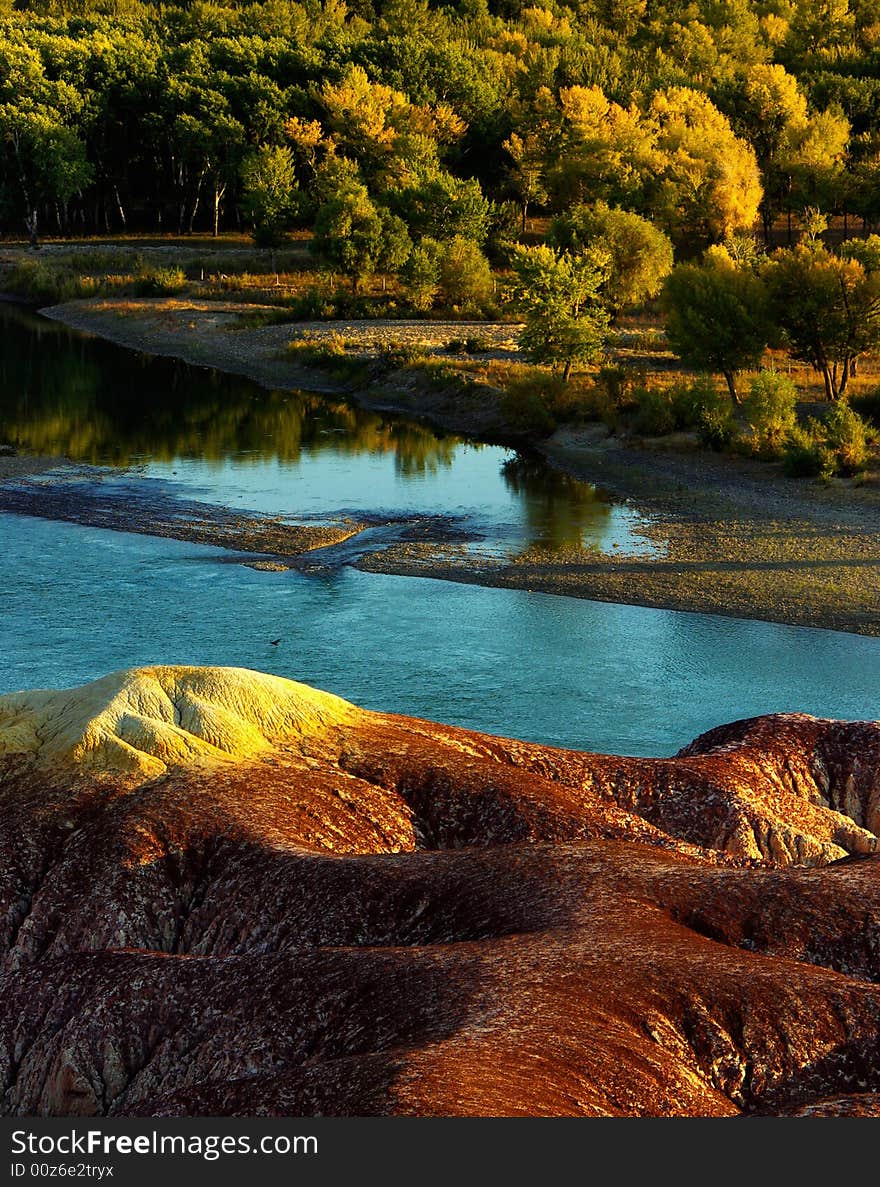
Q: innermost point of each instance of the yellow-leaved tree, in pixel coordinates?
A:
(708, 184)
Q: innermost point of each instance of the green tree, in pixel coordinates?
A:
(465, 276)
(421, 274)
(640, 255)
(827, 310)
(559, 296)
(527, 172)
(45, 162)
(716, 317)
(441, 206)
(269, 194)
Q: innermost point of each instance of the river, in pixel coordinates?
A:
(77, 601)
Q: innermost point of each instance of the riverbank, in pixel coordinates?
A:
(733, 537)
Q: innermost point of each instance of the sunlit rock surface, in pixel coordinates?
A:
(224, 892)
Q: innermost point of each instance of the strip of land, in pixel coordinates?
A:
(734, 536)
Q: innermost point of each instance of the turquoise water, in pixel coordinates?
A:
(78, 602)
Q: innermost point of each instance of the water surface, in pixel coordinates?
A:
(77, 602)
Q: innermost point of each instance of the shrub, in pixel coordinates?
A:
(318, 351)
(159, 282)
(771, 408)
(474, 345)
(806, 455)
(847, 436)
(312, 305)
(867, 406)
(616, 383)
(525, 404)
(654, 416)
(691, 402)
(44, 283)
(402, 354)
(717, 427)
(697, 405)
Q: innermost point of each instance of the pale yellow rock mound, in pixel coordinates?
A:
(142, 721)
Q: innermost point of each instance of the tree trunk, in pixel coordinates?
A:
(730, 379)
(829, 388)
(844, 378)
(31, 221)
(119, 206)
(767, 222)
(525, 212)
(219, 191)
(566, 372)
(196, 200)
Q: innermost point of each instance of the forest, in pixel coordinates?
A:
(559, 164)
(706, 117)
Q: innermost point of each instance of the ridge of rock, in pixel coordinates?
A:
(142, 721)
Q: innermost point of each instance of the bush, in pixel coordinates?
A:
(691, 402)
(654, 416)
(312, 305)
(867, 406)
(717, 427)
(318, 351)
(806, 455)
(159, 282)
(525, 411)
(697, 405)
(771, 408)
(46, 283)
(616, 383)
(475, 345)
(402, 354)
(847, 436)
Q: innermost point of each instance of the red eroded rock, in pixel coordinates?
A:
(223, 893)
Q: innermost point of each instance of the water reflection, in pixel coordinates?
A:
(224, 440)
(559, 511)
(65, 394)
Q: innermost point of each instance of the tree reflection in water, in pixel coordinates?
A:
(559, 511)
(64, 394)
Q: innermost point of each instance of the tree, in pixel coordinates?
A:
(708, 184)
(827, 310)
(268, 193)
(441, 206)
(527, 172)
(421, 274)
(465, 275)
(716, 317)
(640, 255)
(559, 296)
(767, 107)
(606, 151)
(348, 234)
(45, 162)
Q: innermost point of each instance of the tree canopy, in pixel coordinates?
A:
(125, 114)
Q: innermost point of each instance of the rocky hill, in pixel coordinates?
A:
(223, 892)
